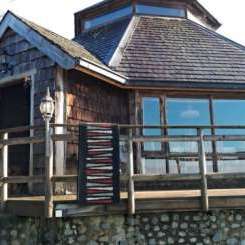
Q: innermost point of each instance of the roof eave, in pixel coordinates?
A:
(205, 14)
(101, 72)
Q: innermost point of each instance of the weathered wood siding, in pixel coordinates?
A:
(90, 100)
(24, 58)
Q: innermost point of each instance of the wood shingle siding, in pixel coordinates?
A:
(25, 58)
(90, 100)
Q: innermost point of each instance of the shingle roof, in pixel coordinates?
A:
(179, 50)
(103, 41)
(70, 47)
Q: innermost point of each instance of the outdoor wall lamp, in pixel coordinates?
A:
(5, 66)
(47, 106)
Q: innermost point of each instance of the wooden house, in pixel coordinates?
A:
(131, 62)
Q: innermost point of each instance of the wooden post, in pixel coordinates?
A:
(4, 172)
(138, 132)
(131, 194)
(48, 171)
(203, 171)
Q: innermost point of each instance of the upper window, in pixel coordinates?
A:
(162, 11)
(127, 11)
(100, 20)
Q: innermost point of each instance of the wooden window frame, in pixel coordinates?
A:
(163, 96)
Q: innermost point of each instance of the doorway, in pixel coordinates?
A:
(15, 112)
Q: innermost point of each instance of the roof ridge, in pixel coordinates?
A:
(34, 27)
(29, 22)
(126, 38)
(218, 35)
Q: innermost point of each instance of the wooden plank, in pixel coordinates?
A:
(22, 141)
(65, 178)
(131, 193)
(25, 208)
(217, 176)
(22, 179)
(49, 167)
(4, 172)
(203, 171)
(20, 129)
(177, 177)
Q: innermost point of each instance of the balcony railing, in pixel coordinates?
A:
(131, 176)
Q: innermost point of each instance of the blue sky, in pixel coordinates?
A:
(57, 15)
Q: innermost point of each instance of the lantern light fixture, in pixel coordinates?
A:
(47, 106)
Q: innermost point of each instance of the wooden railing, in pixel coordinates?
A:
(131, 177)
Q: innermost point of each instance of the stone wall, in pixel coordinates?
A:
(217, 227)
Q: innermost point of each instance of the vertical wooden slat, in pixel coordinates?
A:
(165, 130)
(214, 143)
(48, 172)
(138, 132)
(203, 171)
(4, 172)
(131, 194)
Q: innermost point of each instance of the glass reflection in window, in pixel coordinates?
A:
(117, 14)
(151, 116)
(161, 11)
(186, 112)
(229, 112)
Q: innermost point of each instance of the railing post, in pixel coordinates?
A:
(4, 172)
(48, 171)
(203, 170)
(131, 194)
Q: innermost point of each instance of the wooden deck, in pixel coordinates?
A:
(146, 201)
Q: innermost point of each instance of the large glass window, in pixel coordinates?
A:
(186, 112)
(230, 112)
(161, 11)
(117, 14)
(151, 116)
(181, 157)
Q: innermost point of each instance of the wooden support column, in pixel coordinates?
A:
(49, 166)
(138, 132)
(60, 119)
(203, 171)
(4, 172)
(165, 145)
(131, 193)
(214, 143)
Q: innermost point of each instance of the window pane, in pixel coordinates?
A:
(151, 116)
(187, 167)
(230, 112)
(154, 166)
(162, 11)
(108, 17)
(186, 112)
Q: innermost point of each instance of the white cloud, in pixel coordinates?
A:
(190, 114)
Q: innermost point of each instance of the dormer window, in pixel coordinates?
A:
(100, 20)
(160, 11)
(129, 10)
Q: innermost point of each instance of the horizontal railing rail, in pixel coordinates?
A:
(130, 177)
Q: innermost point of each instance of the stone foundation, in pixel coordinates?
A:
(219, 227)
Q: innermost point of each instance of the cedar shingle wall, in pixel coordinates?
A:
(89, 100)
(25, 57)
